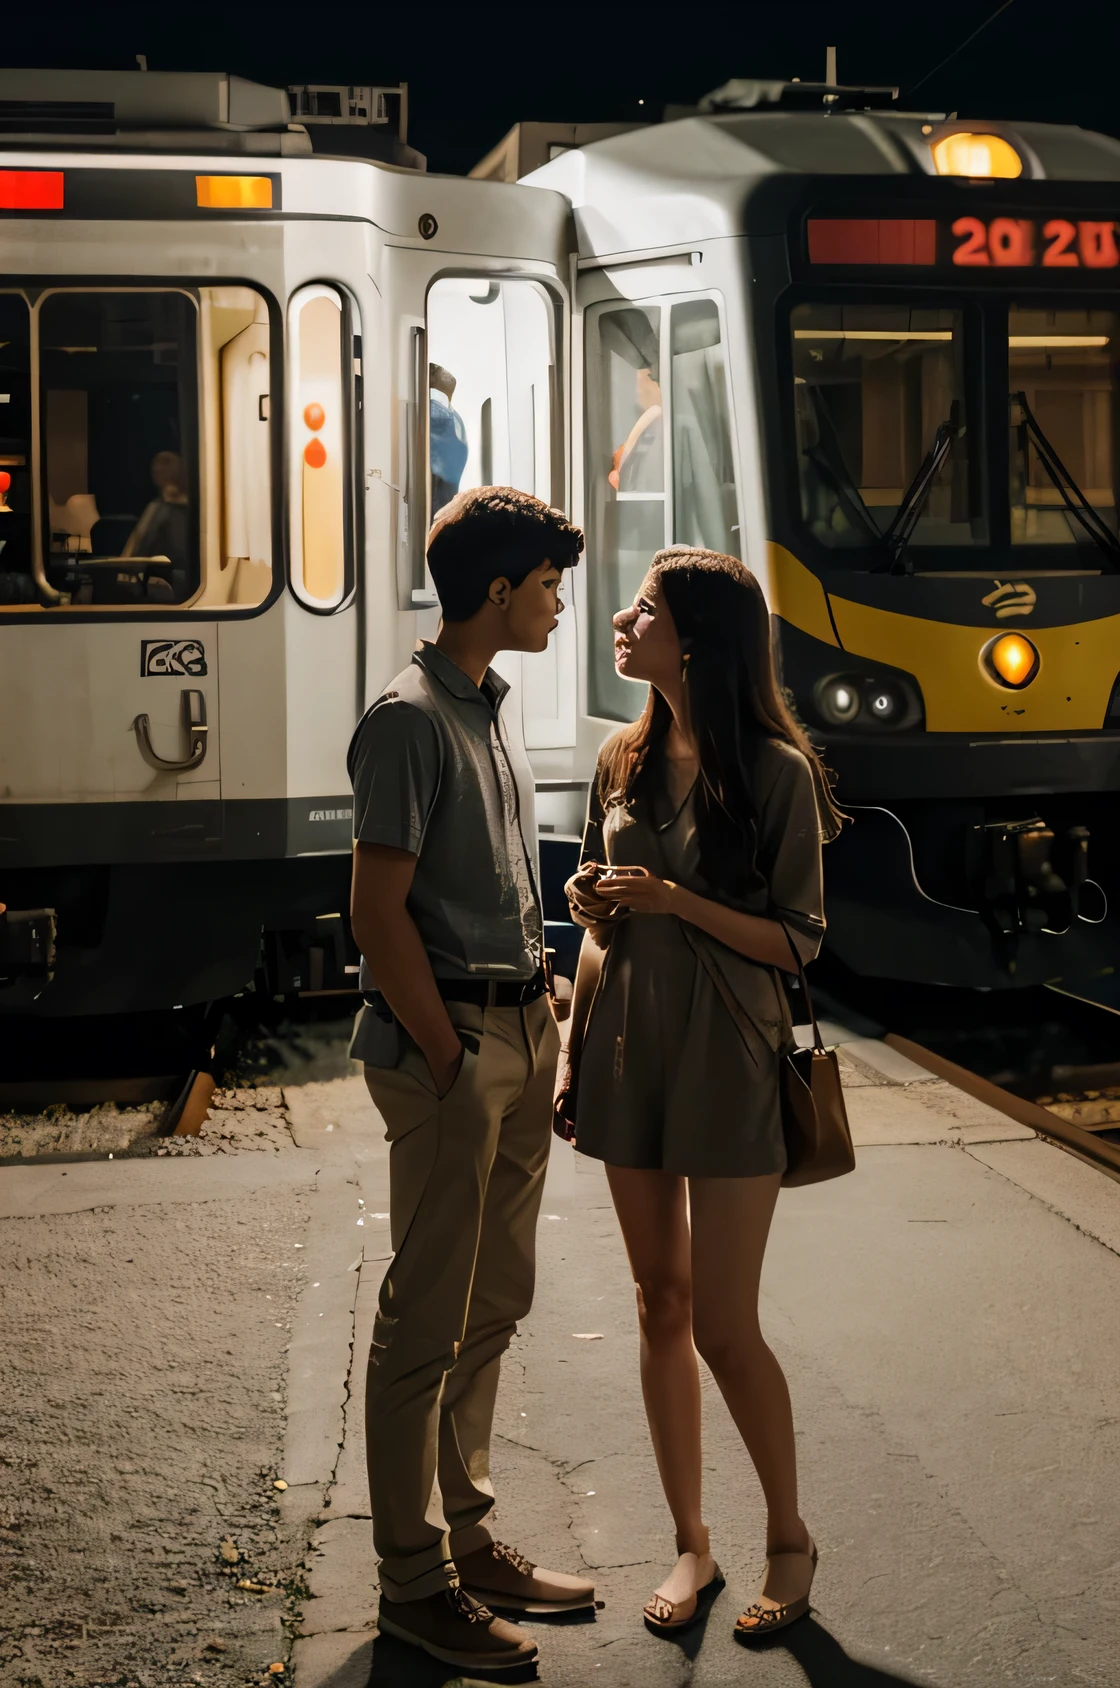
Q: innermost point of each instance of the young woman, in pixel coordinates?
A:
(716, 798)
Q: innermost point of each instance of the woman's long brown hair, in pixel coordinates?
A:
(734, 702)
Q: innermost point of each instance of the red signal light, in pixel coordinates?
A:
(31, 190)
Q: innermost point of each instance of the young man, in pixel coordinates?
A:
(460, 1048)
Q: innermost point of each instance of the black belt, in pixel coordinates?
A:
(482, 993)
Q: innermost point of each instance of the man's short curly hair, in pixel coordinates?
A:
(491, 532)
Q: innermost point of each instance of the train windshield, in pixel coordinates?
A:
(894, 455)
(878, 389)
(1062, 368)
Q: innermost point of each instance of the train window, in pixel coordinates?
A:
(491, 387)
(873, 384)
(492, 405)
(319, 433)
(1063, 387)
(17, 584)
(152, 479)
(626, 480)
(660, 464)
(704, 505)
(118, 383)
(235, 336)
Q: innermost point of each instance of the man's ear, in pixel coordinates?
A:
(500, 592)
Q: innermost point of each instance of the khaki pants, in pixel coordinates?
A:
(466, 1175)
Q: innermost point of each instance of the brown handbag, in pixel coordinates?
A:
(814, 1118)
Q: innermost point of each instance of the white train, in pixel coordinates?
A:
(788, 327)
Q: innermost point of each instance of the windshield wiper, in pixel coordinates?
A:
(828, 460)
(1091, 520)
(913, 501)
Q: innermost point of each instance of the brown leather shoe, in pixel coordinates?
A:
(457, 1630)
(503, 1577)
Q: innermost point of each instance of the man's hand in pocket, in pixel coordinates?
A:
(446, 1073)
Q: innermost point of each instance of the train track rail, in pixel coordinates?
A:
(1047, 1060)
(1050, 1063)
(1088, 1145)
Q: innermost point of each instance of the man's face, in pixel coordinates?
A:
(533, 609)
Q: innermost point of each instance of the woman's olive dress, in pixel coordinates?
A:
(680, 1062)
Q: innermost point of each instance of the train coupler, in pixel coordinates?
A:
(1034, 878)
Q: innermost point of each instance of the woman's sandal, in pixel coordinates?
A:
(667, 1617)
(759, 1619)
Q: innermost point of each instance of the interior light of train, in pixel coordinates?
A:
(964, 154)
(233, 193)
(872, 334)
(314, 415)
(315, 454)
(1050, 342)
(31, 190)
(1013, 660)
(1056, 342)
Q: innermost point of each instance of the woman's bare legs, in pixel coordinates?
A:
(730, 1224)
(652, 1211)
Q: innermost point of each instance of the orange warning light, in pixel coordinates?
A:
(314, 454)
(1013, 660)
(314, 415)
(233, 193)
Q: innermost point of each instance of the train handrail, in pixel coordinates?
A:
(193, 712)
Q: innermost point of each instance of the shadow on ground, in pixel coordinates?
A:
(824, 1661)
(395, 1665)
(384, 1662)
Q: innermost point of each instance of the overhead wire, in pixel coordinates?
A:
(914, 86)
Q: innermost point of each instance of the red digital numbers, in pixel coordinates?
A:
(1059, 253)
(1013, 241)
(1096, 245)
(974, 247)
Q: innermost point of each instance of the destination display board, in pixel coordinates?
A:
(1025, 243)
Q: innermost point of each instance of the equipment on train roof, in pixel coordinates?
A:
(748, 95)
(202, 111)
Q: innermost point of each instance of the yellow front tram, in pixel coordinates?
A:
(885, 354)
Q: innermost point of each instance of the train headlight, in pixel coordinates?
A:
(1012, 660)
(839, 702)
(965, 154)
(884, 703)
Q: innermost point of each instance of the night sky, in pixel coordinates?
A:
(475, 69)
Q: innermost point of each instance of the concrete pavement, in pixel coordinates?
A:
(946, 1317)
(178, 1333)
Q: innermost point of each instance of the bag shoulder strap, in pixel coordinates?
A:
(818, 1041)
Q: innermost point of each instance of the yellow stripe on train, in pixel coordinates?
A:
(1069, 692)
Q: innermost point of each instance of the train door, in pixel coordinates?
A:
(495, 418)
(659, 455)
(290, 677)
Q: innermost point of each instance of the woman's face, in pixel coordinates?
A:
(646, 645)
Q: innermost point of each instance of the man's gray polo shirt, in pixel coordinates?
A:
(437, 771)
